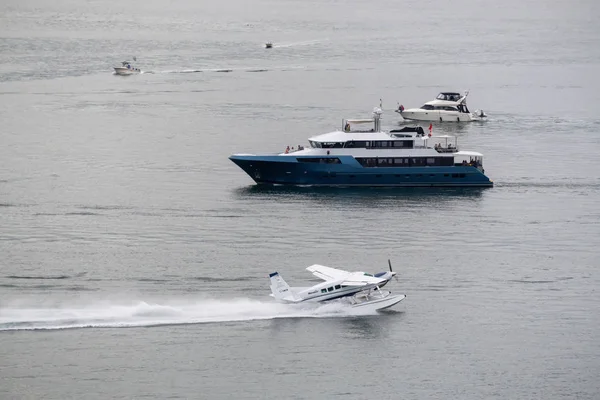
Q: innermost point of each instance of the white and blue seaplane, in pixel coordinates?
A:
(360, 289)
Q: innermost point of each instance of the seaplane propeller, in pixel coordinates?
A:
(392, 272)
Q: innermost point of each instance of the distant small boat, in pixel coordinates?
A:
(127, 69)
(269, 45)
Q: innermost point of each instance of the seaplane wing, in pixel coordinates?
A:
(327, 273)
(361, 279)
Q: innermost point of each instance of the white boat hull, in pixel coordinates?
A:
(126, 71)
(439, 115)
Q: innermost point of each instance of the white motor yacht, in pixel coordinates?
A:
(447, 107)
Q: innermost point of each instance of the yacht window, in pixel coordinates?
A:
(405, 162)
(358, 144)
(337, 287)
(330, 289)
(333, 145)
(385, 162)
(427, 107)
(379, 143)
(322, 160)
(406, 144)
(446, 161)
(323, 290)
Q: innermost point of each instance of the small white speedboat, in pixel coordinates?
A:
(447, 107)
(127, 69)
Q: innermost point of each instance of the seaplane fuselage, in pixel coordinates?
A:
(337, 284)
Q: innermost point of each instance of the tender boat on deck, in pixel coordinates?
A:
(127, 69)
(371, 157)
(447, 107)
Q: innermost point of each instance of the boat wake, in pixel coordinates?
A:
(305, 43)
(142, 314)
(224, 70)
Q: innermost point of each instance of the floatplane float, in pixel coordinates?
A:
(360, 289)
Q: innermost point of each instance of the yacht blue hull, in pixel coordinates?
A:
(286, 170)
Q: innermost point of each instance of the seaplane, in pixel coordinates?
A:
(360, 289)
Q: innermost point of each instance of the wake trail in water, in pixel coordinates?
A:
(295, 44)
(229, 69)
(142, 313)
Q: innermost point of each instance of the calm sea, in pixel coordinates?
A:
(134, 256)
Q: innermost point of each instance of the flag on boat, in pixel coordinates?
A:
(430, 128)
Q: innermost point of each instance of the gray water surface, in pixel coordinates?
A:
(134, 256)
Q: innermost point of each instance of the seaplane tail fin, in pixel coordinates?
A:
(280, 289)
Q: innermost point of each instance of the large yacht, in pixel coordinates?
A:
(354, 156)
(447, 107)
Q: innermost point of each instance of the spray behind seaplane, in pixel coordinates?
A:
(359, 289)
